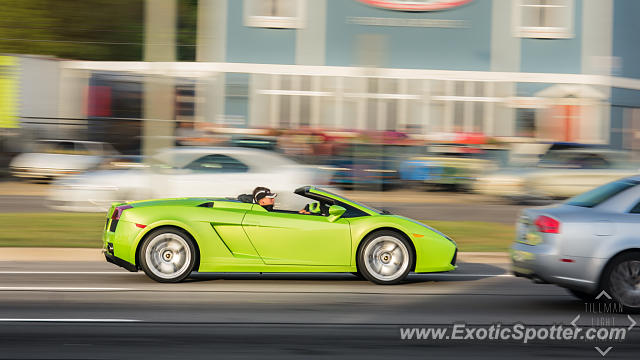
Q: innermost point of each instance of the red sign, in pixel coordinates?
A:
(425, 5)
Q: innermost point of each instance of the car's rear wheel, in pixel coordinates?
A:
(621, 280)
(168, 255)
(385, 257)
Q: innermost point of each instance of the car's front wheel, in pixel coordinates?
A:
(167, 255)
(621, 280)
(385, 257)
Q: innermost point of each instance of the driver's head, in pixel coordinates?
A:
(263, 196)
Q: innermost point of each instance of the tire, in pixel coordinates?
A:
(167, 255)
(584, 296)
(385, 257)
(621, 280)
(358, 275)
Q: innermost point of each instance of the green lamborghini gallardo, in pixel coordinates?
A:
(171, 238)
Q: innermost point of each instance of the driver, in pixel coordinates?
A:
(265, 198)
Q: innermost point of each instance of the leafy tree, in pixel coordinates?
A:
(86, 29)
(187, 23)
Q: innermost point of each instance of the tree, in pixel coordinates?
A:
(88, 29)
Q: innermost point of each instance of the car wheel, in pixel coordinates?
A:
(621, 280)
(385, 257)
(167, 255)
(584, 296)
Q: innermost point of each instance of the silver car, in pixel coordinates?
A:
(587, 244)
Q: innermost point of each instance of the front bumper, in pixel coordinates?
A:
(35, 173)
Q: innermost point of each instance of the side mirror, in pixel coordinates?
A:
(335, 211)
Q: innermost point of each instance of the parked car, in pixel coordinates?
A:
(587, 244)
(184, 171)
(453, 166)
(367, 166)
(561, 174)
(51, 159)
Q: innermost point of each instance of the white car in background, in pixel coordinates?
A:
(51, 159)
(559, 175)
(186, 172)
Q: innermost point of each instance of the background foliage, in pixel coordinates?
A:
(110, 30)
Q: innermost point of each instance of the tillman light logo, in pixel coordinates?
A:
(416, 5)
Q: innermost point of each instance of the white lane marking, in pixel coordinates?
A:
(51, 288)
(66, 320)
(476, 275)
(65, 272)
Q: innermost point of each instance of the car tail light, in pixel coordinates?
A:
(118, 211)
(546, 224)
(115, 217)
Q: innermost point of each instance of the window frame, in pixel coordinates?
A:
(543, 32)
(274, 22)
(631, 211)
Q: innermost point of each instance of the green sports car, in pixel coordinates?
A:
(170, 238)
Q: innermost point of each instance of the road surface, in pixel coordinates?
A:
(94, 310)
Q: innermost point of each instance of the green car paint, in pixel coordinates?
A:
(314, 208)
(232, 236)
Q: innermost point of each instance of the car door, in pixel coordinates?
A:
(282, 238)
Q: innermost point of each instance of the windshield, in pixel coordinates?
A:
(58, 147)
(353, 202)
(601, 194)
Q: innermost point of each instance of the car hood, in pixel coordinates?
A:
(423, 225)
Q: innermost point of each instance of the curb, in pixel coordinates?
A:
(38, 254)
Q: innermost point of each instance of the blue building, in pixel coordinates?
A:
(551, 69)
(566, 70)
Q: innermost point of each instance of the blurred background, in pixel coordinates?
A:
(455, 113)
(473, 102)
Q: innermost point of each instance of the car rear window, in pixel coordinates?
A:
(600, 194)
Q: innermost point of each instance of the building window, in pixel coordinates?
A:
(282, 14)
(543, 19)
(525, 122)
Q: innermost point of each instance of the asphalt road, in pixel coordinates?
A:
(98, 311)
(501, 213)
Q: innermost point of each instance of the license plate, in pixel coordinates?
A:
(518, 255)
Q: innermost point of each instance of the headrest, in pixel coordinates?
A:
(246, 198)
